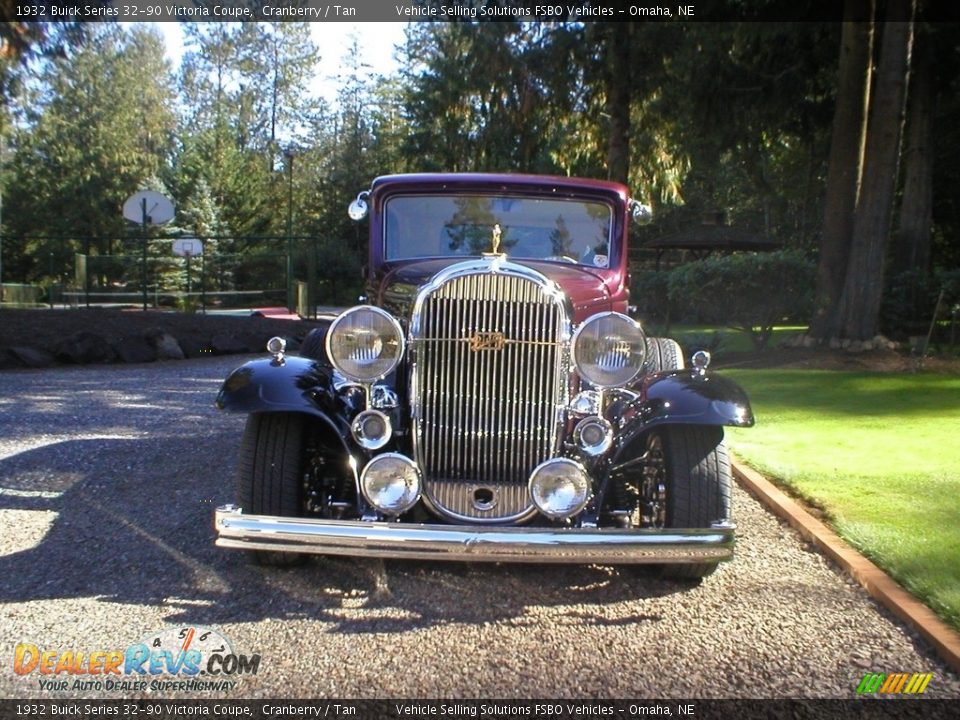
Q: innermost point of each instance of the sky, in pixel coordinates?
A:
(377, 42)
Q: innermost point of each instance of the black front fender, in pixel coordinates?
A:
(294, 384)
(685, 397)
(267, 385)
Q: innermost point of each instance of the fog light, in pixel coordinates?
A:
(391, 483)
(371, 429)
(594, 435)
(560, 488)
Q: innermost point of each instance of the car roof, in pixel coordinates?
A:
(517, 181)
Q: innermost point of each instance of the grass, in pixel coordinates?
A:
(879, 454)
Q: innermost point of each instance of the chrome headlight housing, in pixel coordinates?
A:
(365, 343)
(391, 483)
(609, 349)
(560, 488)
(593, 435)
(371, 429)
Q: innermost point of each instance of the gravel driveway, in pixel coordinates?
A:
(108, 480)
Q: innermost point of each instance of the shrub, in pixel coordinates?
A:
(910, 299)
(908, 302)
(649, 291)
(713, 342)
(751, 292)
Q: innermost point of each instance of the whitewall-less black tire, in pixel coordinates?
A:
(694, 464)
(270, 473)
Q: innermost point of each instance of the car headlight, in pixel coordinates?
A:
(560, 488)
(365, 343)
(391, 483)
(609, 350)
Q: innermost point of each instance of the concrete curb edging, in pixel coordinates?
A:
(875, 581)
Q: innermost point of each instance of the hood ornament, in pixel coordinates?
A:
(496, 255)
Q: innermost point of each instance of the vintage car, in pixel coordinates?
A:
(491, 398)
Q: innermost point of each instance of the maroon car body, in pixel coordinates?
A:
(490, 399)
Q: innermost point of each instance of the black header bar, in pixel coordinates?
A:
(156, 709)
(447, 10)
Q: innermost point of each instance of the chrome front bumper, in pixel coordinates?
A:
(471, 542)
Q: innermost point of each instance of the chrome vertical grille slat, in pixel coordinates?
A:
(490, 377)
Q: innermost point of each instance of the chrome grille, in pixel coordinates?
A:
(489, 385)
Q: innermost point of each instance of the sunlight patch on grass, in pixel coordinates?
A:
(880, 454)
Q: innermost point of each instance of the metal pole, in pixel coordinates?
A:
(953, 327)
(143, 269)
(312, 279)
(1, 229)
(290, 299)
(933, 324)
(1, 235)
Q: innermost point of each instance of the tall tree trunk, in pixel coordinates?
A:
(846, 157)
(912, 241)
(859, 310)
(618, 87)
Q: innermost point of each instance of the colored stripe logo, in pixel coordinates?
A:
(894, 683)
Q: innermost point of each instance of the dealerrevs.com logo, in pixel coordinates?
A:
(182, 658)
(894, 683)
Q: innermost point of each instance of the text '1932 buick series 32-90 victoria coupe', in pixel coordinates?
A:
(492, 399)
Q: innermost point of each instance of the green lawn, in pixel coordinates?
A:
(880, 454)
(727, 340)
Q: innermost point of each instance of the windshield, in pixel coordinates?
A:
(576, 231)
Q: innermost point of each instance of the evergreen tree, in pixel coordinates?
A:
(103, 127)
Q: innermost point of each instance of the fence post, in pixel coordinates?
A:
(303, 298)
(80, 274)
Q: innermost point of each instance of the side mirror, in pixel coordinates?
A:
(641, 214)
(359, 208)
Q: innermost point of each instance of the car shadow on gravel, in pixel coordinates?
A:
(120, 521)
(371, 596)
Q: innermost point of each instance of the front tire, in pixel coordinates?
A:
(690, 480)
(663, 354)
(270, 474)
(314, 345)
(688, 483)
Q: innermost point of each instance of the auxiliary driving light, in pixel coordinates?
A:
(560, 488)
(391, 483)
(594, 435)
(371, 429)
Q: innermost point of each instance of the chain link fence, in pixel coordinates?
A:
(264, 272)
